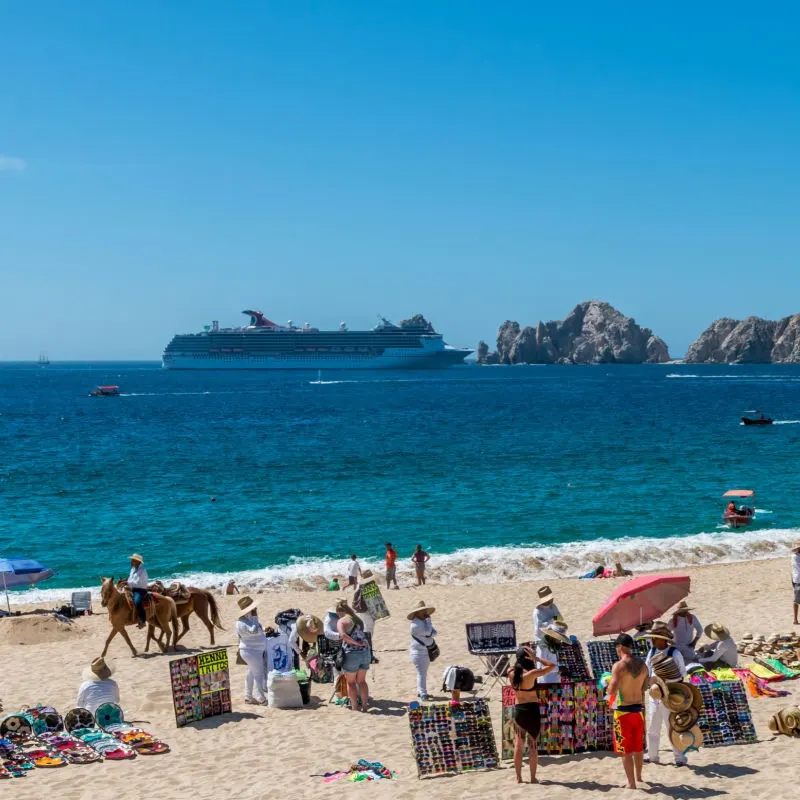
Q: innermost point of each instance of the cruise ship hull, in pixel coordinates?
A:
(440, 359)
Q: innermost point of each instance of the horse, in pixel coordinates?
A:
(201, 602)
(122, 613)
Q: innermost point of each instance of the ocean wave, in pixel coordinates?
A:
(743, 378)
(481, 565)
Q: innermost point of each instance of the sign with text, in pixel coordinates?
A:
(201, 686)
(376, 605)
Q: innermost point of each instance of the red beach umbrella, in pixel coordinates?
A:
(640, 600)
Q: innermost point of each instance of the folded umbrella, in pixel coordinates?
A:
(639, 600)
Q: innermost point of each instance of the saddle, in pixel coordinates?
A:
(148, 598)
(177, 591)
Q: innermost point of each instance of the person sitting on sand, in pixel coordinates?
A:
(97, 687)
(333, 586)
(722, 648)
(526, 715)
(626, 696)
(231, 588)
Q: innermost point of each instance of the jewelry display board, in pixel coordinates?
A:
(201, 686)
(603, 654)
(575, 719)
(725, 718)
(451, 738)
(490, 638)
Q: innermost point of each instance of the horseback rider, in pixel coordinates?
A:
(137, 583)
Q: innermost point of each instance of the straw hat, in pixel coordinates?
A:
(136, 557)
(684, 741)
(665, 667)
(790, 718)
(557, 631)
(717, 631)
(309, 628)
(420, 607)
(366, 574)
(545, 595)
(748, 637)
(697, 697)
(684, 720)
(658, 689)
(246, 605)
(98, 671)
(679, 697)
(683, 608)
(660, 630)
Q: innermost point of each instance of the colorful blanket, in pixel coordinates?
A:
(362, 770)
(758, 687)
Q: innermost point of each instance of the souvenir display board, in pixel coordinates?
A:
(450, 738)
(575, 719)
(201, 686)
(603, 654)
(376, 605)
(725, 718)
(572, 664)
(485, 638)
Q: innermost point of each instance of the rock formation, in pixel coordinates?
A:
(593, 333)
(750, 341)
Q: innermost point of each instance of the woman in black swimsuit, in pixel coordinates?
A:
(523, 676)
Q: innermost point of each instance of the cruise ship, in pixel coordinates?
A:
(263, 344)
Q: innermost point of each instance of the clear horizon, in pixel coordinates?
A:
(163, 165)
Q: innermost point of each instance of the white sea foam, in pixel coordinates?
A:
(744, 377)
(502, 564)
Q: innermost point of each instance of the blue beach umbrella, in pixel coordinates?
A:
(22, 572)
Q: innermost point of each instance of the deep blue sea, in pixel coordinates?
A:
(499, 472)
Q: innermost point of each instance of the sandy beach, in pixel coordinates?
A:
(255, 751)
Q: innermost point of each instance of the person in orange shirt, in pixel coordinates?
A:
(391, 568)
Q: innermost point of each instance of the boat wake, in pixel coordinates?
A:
(480, 565)
(786, 422)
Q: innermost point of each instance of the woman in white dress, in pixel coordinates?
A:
(422, 633)
(252, 649)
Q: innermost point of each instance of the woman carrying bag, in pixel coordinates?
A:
(252, 649)
(423, 648)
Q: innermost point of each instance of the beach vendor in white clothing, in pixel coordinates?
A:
(553, 635)
(353, 571)
(722, 648)
(252, 649)
(664, 661)
(422, 633)
(97, 687)
(686, 630)
(546, 611)
(137, 582)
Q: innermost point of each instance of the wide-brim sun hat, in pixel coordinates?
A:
(679, 697)
(658, 689)
(683, 606)
(545, 594)
(246, 605)
(684, 741)
(136, 557)
(98, 670)
(660, 630)
(682, 721)
(557, 633)
(665, 667)
(717, 631)
(420, 607)
(309, 628)
(366, 574)
(697, 697)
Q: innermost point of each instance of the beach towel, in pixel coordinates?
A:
(779, 667)
(724, 674)
(756, 686)
(763, 671)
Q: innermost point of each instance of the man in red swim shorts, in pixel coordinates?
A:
(626, 693)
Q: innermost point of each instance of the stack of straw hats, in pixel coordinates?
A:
(785, 647)
(786, 722)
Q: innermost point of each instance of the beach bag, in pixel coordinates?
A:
(433, 649)
(283, 690)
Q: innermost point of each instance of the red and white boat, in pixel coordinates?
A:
(105, 391)
(742, 515)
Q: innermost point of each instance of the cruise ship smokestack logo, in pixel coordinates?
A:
(264, 344)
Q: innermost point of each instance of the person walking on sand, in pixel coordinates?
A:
(796, 580)
(137, 582)
(420, 559)
(252, 649)
(357, 655)
(422, 633)
(353, 572)
(626, 696)
(391, 566)
(527, 719)
(657, 713)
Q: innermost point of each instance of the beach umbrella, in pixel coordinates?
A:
(640, 600)
(22, 572)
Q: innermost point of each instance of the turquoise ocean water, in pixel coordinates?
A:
(499, 472)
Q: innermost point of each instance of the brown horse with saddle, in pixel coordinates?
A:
(159, 609)
(188, 599)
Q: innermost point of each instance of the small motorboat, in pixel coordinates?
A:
(105, 391)
(762, 420)
(742, 515)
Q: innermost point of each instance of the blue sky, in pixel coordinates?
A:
(163, 164)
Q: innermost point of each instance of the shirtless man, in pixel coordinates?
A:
(629, 678)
